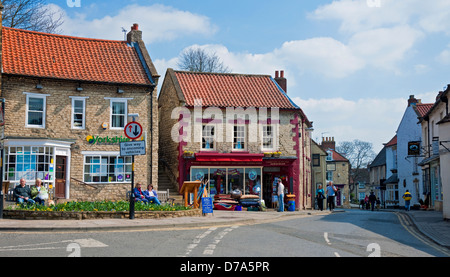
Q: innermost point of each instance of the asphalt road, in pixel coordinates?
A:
(354, 233)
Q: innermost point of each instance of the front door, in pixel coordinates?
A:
(60, 174)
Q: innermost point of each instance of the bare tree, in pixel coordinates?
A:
(199, 60)
(32, 15)
(359, 153)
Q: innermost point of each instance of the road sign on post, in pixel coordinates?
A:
(133, 130)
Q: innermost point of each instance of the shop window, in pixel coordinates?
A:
(239, 137)
(225, 180)
(29, 163)
(35, 110)
(107, 169)
(253, 181)
(217, 181)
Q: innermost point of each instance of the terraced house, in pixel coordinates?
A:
(222, 127)
(67, 101)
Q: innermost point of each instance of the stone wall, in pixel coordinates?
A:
(47, 215)
(58, 115)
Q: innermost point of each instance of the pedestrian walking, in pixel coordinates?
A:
(331, 193)
(320, 196)
(280, 192)
(372, 200)
(407, 196)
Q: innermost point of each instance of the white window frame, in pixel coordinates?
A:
(264, 136)
(213, 137)
(244, 137)
(105, 167)
(113, 100)
(83, 124)
(44, 111)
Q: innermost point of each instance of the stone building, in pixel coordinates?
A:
(338, 172)
(67, 101)
(222, 127)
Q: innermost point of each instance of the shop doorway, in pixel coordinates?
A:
(60, 176)
(270, 188)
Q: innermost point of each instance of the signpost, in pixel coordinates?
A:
(132, 130)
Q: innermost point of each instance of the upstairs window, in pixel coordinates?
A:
(239, 137)
(208, 137)
(35, 106)
(78, 113)
(268, 137)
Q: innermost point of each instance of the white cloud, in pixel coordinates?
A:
(158, 22)
(372, 120)
(356, 15)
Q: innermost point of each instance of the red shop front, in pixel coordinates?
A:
(250, 173)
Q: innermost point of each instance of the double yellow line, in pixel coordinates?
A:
(409, 226)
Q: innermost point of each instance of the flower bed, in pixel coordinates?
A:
(96, 210)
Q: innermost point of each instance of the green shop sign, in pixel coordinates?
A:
(106, 140)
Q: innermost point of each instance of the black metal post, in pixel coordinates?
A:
(132, 196)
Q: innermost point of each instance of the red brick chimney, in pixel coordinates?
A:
(282, 82)
(328, 143)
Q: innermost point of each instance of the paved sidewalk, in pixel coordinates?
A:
(216, 219)
(430, 223)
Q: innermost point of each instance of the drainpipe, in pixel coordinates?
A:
(303, 163)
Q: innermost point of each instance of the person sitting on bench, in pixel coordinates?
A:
(151, 195)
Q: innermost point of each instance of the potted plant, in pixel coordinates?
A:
(188, 154)
(277, 154)
(268, 154)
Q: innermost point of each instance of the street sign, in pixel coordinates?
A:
(207, 205)
(133, 130)
(132, 148)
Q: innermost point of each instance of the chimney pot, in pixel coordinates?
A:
(135, 26)
(282, 82)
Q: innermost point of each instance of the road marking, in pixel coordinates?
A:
(325, 235)
(197, 240)
(337, 254)
(209, 250)
(406, 222)
(82, 243)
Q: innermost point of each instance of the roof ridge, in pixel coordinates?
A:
(220, 73)
(62, 36)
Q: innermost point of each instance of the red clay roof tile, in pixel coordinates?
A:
(232, 90)
(45, 55)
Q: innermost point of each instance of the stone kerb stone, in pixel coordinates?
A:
(55, 215)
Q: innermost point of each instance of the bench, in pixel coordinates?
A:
(163, 197)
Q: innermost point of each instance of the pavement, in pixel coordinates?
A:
(429, 223)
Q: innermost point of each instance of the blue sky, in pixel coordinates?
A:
(351, 64)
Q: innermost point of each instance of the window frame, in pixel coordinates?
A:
(263, 131)
(212, 137)
(104, 168)
(72, 119)
(111, 115)
(44, 109)
(244, 137)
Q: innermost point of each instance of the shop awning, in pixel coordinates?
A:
(228, 157)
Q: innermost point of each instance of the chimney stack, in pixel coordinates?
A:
(282, 82)
(135, 34)
(412, 100)
(328, 143)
